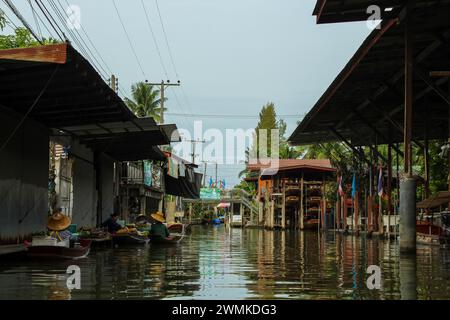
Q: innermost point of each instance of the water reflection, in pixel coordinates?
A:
(223, 263)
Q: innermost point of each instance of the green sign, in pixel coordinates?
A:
(210, 194)
(147, 173)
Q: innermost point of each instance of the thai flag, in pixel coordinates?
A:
(380, 182)
(340, 189)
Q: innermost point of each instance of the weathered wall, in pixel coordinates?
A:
(24, 165)
(84, 212)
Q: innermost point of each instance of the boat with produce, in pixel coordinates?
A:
(60, 244)
(98, 237)
(49, 248)
(130, 236)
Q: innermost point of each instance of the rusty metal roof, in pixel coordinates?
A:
(76, 94)
(364, 104)
(65, 93)
(334, 11)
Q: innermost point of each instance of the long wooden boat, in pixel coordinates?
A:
(311, 224)
(129, 239)
(79, 251)
(430, 234)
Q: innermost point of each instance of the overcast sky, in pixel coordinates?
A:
(232, 56)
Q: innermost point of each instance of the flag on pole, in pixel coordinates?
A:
(211, 182)
(354, 186)
(340, 189)
(380, 182)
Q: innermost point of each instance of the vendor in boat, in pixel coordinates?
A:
(58, 224)
(142, 222)
(112, 224)
(159, 228)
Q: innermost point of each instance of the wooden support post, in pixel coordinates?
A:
(344, 207)
(356, 213)
(370, 213)
(302, 202)
(272, 214)
(337, 214)
(389, 189)
(426, 155)
(283, 206)
(324, 206)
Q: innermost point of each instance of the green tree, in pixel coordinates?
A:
(2, 20)
(267, 121)
(22, 38)
(146, 101)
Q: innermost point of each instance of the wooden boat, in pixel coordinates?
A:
(176, 228)
(175, 239)
(311, 224)
(129, 239)
(430, 234)
(79, 251)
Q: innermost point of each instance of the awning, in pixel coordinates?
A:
(187, 187)
(440, 199)
(364, 104)
(125, 141)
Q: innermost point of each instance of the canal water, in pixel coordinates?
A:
(223, 263)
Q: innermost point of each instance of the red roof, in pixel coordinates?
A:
(292, 164)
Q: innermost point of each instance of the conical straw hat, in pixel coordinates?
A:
(158, 216)
(58, 222)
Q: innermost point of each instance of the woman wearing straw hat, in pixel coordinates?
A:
(159, 228)
(58, 223)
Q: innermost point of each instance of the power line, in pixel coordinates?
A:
(167, 41)
(35, 19)
(79, 40)
(154, 39)
(22, 19)
(49, 18)
(129, 39)
(42, 22)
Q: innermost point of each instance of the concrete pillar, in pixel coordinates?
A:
(408, 214)
(408, 277)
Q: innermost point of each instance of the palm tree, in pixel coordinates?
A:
(146, 101)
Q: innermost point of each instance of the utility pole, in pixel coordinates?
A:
(114, 83)
(204, 174)
(163, 86)
(194, 146)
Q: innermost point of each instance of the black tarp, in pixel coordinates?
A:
(187, 187)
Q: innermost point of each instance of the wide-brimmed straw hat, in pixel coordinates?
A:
(58, 222)
(158, 216)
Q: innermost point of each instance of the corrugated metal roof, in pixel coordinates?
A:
(364, 103)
